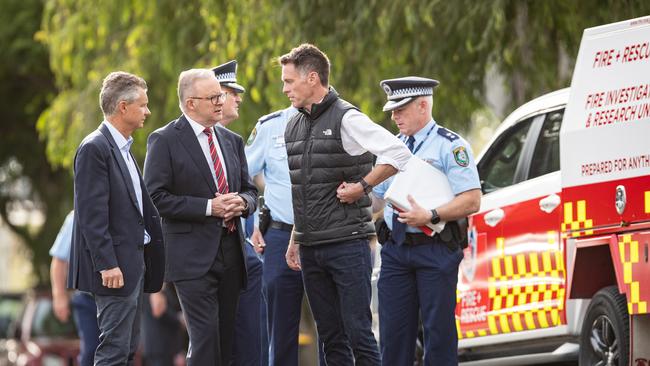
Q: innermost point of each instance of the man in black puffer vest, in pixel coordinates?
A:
(330, 146)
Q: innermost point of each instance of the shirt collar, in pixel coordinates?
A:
(196, 127)
(420, 135)
(123, 143)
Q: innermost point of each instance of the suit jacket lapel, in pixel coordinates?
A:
(191, 144)
(226, 150)
(117, 155)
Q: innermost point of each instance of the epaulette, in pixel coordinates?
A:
(268, 117)
(451, 136)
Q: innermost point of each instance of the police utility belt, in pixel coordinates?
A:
(266, 222)
(454, 235)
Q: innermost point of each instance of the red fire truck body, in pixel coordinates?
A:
(557, 265)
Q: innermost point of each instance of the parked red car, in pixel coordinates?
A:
(39, 338)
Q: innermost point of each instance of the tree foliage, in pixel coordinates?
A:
(531, 45)
(28, 183)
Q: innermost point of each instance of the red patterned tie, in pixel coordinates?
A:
(222, 184)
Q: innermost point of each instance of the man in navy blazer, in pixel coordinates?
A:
(198, 177)
(117, 248)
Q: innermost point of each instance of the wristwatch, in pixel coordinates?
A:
(366, 187)
(434, 217)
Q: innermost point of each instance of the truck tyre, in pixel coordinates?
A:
(605, 335)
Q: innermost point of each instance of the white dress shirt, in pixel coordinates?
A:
(124, 145)
(205, 147)
(360, 134)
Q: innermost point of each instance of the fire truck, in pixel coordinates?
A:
(557, 263)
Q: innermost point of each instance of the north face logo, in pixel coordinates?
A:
(327, 132)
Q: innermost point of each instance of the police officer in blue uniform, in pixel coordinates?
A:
(283, 287)
(83, 304)
(249, 346)
(418, 272)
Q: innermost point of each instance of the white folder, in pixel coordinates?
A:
(428, 185)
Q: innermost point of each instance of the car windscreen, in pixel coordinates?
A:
(45, 324)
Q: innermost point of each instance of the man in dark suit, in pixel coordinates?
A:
(198, 178)
(117, 248)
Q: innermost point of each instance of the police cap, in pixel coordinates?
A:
(227, 76)
(401, 91)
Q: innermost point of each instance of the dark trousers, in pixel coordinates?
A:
(337, 281)
(418, 280)
(84, 312)
(161, 336)
(118, 318)
(283, 290)
(250, 324)
(209, 304)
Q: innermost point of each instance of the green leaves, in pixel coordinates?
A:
(529, 44)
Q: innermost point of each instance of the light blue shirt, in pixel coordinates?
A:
(266, 153)
(125, 146)
(61, 247)
(444, 150)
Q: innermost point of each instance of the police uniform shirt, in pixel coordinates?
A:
(61, 247)
(266, 152)
(444, 150)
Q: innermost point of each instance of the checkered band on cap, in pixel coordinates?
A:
(225, 77)
(410, 92)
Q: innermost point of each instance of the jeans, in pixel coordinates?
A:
(119, 321)
(337, 282)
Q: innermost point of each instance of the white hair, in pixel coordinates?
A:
(186, 82)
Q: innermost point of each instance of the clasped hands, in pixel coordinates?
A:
(349, 192)
(228, 206)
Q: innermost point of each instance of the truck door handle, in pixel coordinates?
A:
(493, 217)
(549, 203)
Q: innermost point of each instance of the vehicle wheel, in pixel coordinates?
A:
(605, 335)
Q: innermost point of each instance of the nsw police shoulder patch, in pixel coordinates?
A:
(461, 157)
(252, 136)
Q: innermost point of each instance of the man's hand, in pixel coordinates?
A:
(349, 192)
(61, 305)
(258, 240)
(236, 207)
(417, 216)
(227, 206)
(292, 256)
(158, 303)
(112, 278)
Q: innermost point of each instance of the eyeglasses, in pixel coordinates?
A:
(215, 99)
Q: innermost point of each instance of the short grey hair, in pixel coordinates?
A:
(119, 86)
(186, 81)
(429, 100)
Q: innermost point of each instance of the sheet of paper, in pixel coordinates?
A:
(428, 186)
